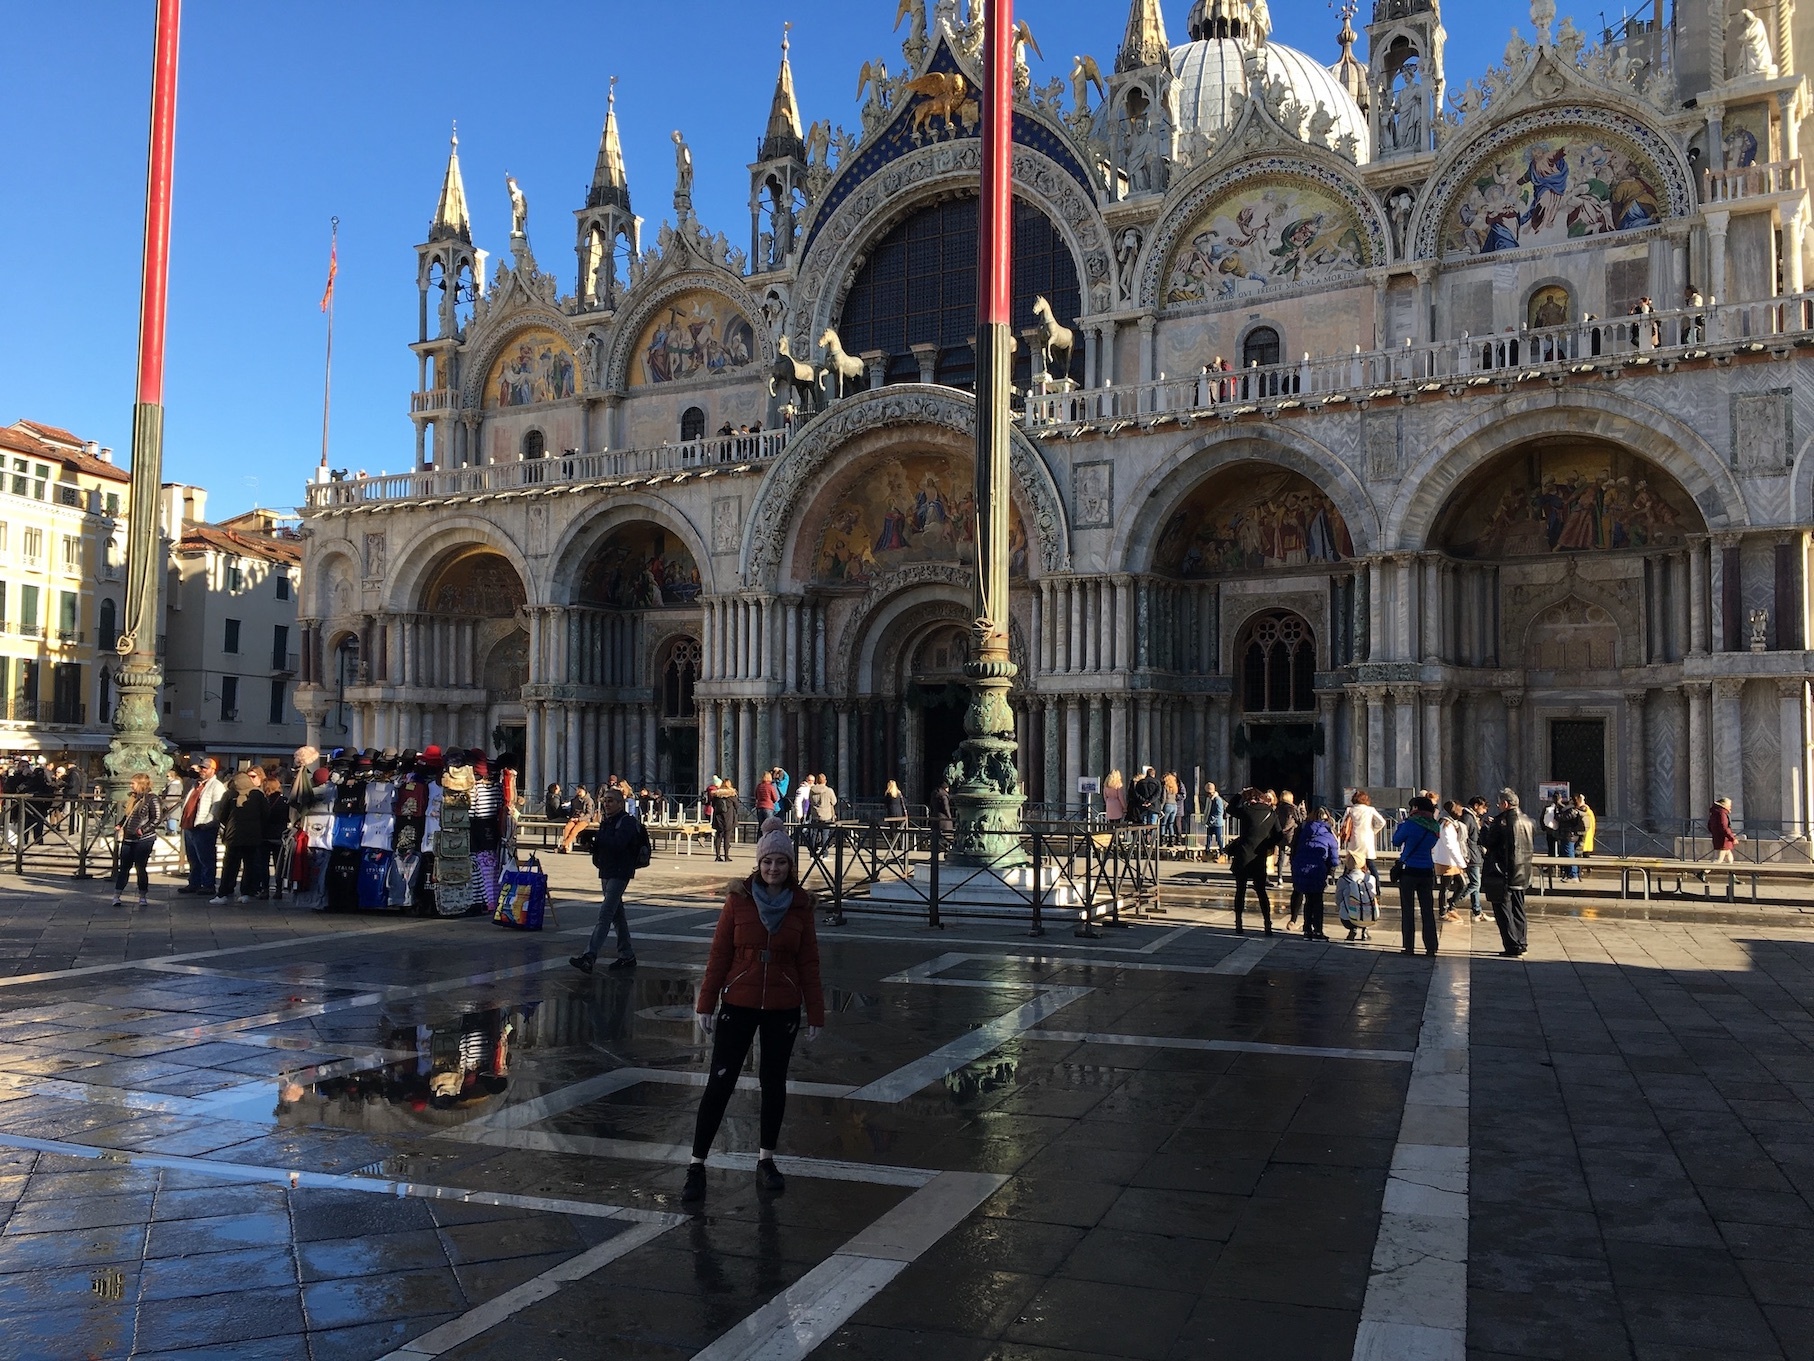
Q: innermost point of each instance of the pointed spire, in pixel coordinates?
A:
(783, 138)
(1144, 44)
(451, 218)
(610, 183)
(1349, 69)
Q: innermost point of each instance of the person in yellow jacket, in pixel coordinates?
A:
(1588, 822)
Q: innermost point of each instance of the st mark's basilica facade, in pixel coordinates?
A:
(1407, 431)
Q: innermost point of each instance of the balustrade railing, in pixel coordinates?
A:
(553, 470)
(1467, 361)
(1751, 181)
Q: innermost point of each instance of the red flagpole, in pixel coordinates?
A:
(136, 747)
(994, 324)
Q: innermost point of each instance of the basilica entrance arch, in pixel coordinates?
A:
(466, 648)
(1276, 684)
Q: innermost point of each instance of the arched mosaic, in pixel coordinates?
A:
(903, 510)
(694, 335)
(477, 584)
(1566, 496)
(533, 366)
(1251, 518)
(1265, 235)
(640, 567)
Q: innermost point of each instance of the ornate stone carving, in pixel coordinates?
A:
(778, 500)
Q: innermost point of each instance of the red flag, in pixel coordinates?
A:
(333, 269)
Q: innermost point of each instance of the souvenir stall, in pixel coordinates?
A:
(422, 832)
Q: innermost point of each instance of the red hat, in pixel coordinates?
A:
(321, 775)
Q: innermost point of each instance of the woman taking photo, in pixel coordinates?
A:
(138, 835)
(763, 969)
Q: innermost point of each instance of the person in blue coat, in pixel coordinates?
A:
(1416, 839)
(1314, 858)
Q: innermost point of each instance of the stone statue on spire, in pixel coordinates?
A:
(683, 176)
(519, 209)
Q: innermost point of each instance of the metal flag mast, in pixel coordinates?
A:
(988, 796)
(327, 305)
(136, 747)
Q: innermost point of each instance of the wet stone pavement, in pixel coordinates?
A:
(248, 1133)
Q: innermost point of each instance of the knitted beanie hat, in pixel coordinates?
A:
(775, 840)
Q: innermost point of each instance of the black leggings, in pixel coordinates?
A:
(1253, 876)
(135, 853)
(1313, 910)
(737, 1027)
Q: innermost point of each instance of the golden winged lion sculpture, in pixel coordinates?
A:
(945, 95)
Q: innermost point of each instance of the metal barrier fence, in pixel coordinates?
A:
(77, 836)
(1074, 870)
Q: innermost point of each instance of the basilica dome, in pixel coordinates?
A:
(1211, 74)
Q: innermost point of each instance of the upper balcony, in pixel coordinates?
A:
(650, 466)
(1752, 181)
(1454, 366)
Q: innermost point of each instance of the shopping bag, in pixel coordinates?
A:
(522, 896)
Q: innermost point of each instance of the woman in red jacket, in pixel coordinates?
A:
(763, 969)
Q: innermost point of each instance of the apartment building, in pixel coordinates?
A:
(232, 642)
(62, 590)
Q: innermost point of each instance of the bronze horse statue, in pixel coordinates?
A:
(793, 373)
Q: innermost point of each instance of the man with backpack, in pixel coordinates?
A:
(620, 847)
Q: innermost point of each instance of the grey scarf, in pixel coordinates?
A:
(770, 907)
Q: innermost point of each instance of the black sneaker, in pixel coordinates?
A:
(582, 962)
(769, 1176)
(693, 1191)
(622, 964)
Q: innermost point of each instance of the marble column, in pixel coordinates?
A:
(1514, 747)
(1325, 759)
(572, 771)
(1700, 774)
(1052, 791)
(1728, 743)
(1637, 759)
(1404, 735)
(845, 767)
(1118, 755)
(1431, 768)
(1073, 751)
(1791, 698)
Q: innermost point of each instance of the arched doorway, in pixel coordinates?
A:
(1276, 654)
(471, 637)
(677, 734)
(936, 696)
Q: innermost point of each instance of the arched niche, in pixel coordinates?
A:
(474, 583)
(900, 511)
(1252, 517)
(1564, 494)
(639, 566)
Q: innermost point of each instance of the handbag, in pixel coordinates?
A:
(522, 896)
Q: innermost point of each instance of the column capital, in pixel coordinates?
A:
(1514, 699)
(1728, 687)
(1726, 538)
(1790, 689)
(1636, 696)
(1697, 689)
(1147, 322)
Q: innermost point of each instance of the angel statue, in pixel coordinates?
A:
(1023, 75)
(519, 207)
(1085, 73)
(874, 78)
(914, 11)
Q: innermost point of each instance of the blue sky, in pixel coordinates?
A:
(289, 115)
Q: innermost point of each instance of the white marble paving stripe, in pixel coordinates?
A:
(287, 943)
(1416, 1306)
(1244, 956)
(512, 1302)
(643, 1151)
(1307, 1051)
(796, 1321)
(537, 1109)
(904, 1081)
(1153, 947)
(338, 1181)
